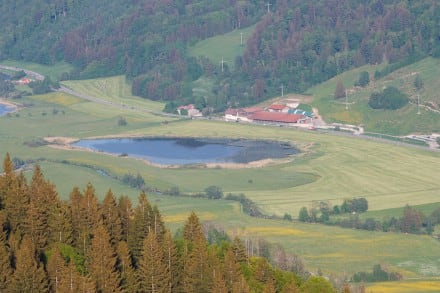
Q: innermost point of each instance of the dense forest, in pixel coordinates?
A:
(295, 43)
(83, 245)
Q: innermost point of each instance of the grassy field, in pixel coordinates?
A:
(330, 168)
(53, 71)
(225, 46)
(398, 122)
(418, 286)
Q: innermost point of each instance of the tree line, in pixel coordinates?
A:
(412, 220)
(295, 43)
(84, 245)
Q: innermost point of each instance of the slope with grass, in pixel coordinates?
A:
(398, 122)
(224, 47)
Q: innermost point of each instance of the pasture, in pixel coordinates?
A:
(399, 122)
(329, 168)
(227, 46)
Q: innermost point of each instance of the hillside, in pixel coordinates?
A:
(155, 44)
(394, 122)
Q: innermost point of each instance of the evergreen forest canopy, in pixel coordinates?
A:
(295, 44)
(83, 245)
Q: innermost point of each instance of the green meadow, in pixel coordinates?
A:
(227, 46)
(330, 167)
(399, 122)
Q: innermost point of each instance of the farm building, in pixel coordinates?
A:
(278, 108)
(241, 114)
(277, 117)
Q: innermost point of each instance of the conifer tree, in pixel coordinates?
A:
(197, 275)
(7, 179)
(153, 275)
(61, 225)
(158, 225)
(239, 250)
(56, 270)
(231, 269)
(172, 261)
(5, 257)
(219, 285)
(111, 218)
(128, 280)
(75, 282)
(140, 226)
(126, 212)
(14, 193)
(102, 262)
(241, 286)
(85, 216)
(192, 229)
(29, 274)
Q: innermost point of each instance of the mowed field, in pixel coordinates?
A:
(227, 47)
(329, 168)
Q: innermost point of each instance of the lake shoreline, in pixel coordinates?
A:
(66, 143)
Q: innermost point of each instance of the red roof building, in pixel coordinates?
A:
(277, 108)
(276, 117)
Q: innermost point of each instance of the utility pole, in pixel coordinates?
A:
(268, 7)
(241, 39)
(282, 90)
(346, 100)
(223, 61)
(418, 104)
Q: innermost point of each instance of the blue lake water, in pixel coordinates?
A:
(184, 151)
(4, 109)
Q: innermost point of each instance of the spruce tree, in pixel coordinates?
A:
(197, 275)
(172, 261)
(111, 218)
(231, 269)
(7, 179)
(14, 197)
(192, 229)
(125, 266)
(102, 262)
(125, 211)
(241, 286)
(140, 227)
(29, 274)
(57, 270)
(153, 275)
(239, 250)
(5, 257)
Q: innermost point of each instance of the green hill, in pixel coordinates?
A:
(396, 122)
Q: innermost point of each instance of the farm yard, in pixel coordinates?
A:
(329, 168)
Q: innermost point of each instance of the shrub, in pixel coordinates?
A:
(391, 98)
(122, 121)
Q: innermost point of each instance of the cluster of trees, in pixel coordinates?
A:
(320, 212)
(412, 220)
(49, 245)
(390, 98)
(377, 275)
(296, 44)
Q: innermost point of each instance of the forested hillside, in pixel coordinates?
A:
(295, 43)
(83, 245)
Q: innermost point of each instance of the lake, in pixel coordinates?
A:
(4, 109)
(186, 151)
